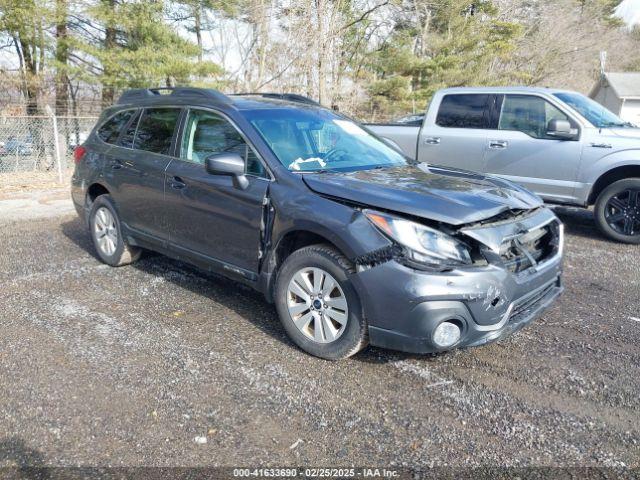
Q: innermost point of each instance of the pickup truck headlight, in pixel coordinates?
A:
(423, 244)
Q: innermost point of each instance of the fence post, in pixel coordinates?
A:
(56, 146)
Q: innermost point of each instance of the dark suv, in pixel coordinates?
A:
(353, 242)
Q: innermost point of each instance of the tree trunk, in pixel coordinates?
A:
(198, 28)
(108, 91)
(31, 77)
(62, 57)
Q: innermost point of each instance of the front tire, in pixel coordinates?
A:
(617, 211)
(106, 234)
(318, 305)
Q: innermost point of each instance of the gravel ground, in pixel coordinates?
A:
(161, 364)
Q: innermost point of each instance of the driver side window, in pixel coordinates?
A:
(206, 133)
(529, 114)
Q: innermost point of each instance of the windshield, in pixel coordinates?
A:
(308, 140)
(597, 114)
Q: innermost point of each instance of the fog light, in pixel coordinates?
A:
(446, 334)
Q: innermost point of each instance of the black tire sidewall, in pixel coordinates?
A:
(601, 203)
(105, 201)
(347, 344)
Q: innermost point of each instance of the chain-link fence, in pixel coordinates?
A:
(41, 143)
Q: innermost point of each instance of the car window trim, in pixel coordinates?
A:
(178, 154)
(576, 123)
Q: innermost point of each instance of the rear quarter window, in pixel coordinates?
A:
(464, 111)
(110, 130)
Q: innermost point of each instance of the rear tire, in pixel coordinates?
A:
(106, 233)
(617, 211)
(335, 328)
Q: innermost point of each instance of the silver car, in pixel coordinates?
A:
(559, 144)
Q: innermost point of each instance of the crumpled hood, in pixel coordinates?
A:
(441, 194)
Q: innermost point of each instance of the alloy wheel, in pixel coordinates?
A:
(317, 305)
(104, 225)
(622, 212)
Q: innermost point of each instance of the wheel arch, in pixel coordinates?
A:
(288, 242)
(296, 239)
(611, 176)
(94, 191)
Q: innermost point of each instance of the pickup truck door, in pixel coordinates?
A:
(208, 217)
(455, 131)
(520, 150)
(403, 136)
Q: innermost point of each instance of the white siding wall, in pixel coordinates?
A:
(631, 111)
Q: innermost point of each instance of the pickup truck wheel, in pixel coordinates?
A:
(617, 210)
(317, 304)
(107, 235)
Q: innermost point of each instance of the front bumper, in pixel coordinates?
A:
(404, 306)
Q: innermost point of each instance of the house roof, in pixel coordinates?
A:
(626, 85)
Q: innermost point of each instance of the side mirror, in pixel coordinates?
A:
(560, 129)
(228, 164)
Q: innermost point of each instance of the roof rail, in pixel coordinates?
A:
(138, 94)
(291, 97)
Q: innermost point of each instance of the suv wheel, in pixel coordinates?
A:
(317, 304)
(617, 210)
(107, 235)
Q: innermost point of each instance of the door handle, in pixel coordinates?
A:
(431, 141)
(116, 165)
(177, 183)
(498, 144)
(600, 145)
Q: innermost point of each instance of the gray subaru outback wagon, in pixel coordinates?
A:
(355, 243)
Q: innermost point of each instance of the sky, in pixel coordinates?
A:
(629, 11)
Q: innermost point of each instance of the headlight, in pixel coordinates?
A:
(424, 245)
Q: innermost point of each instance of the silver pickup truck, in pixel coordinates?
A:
(560, 144)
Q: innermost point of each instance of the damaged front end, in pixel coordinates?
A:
(488, 278)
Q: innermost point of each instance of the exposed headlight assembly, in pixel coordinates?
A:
(423, 245)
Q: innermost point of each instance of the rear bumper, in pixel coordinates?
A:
(403, 306)
(78, 196)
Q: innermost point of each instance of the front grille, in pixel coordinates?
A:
(530, 248)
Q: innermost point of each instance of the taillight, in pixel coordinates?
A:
(78, 153)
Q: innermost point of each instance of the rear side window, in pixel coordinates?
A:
(464, 111)
(110, 130)
(155, 130)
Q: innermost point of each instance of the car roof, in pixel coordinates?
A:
(208, 97)
(540, 90)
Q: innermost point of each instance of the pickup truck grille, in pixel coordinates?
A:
(530, 248)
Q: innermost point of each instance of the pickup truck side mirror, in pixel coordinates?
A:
(560, 129)
(229, 164)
